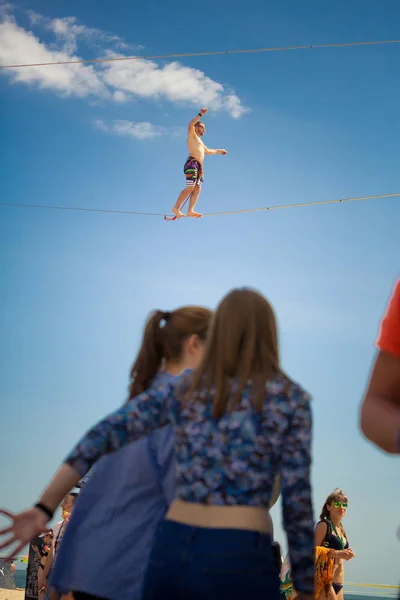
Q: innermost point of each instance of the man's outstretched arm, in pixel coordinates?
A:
(213, 152)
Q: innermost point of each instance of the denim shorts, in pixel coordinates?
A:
(197, 563)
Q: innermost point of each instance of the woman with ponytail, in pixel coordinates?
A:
(106, 546)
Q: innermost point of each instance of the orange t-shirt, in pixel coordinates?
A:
(389, 335)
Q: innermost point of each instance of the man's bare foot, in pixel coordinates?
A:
(178, 213)
(193, 213)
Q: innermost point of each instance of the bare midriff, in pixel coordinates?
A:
(338, 573)
(251, 518)
(196, 147)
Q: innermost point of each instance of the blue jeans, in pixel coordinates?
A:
(196, 563)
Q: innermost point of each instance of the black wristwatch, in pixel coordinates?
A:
(49, 513)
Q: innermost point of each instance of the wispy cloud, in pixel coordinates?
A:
(5, 8)
(69, 33)
(139, 130)
(100, 125)
(119, 82)
(18, 45)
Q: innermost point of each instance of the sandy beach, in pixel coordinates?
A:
(12, 594)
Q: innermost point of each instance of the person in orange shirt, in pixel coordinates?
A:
(380, 409)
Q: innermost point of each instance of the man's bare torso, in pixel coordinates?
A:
(196, 147)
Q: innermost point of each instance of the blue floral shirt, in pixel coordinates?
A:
(231, 460)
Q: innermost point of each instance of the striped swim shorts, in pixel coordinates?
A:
(193, 171)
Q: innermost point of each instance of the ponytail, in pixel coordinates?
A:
(163, 339)
(150, 356)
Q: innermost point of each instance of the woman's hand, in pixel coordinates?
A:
(25, 526)
(352, 553)
(345, 554)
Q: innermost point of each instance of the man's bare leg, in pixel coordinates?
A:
(181, 199)
(193, 201)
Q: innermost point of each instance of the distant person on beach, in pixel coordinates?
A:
(330, 534)
(193, 169)
(380, 409)
(7, 570)
(59, 530)
(331, 550)
(42, 553)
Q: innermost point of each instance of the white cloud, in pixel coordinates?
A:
(139, 130)
(121, 96)
(177, 83)
(69, 33)
(120, 81)
(18, 46)
(99, 124)
(233, 106)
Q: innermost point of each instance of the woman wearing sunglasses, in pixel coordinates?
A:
(329, 533)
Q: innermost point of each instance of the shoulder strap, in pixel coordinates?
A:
(325, 541)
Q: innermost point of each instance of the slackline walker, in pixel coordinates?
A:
(193, 169)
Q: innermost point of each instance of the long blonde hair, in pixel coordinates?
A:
(242, 343)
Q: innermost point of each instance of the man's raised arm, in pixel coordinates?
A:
(196, 120)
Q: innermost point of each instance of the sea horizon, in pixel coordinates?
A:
(353, 591)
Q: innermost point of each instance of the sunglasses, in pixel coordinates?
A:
(340, 504)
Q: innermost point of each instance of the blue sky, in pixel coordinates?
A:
(298, 126)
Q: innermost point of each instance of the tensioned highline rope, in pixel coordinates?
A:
(195, 54)
(216, 214)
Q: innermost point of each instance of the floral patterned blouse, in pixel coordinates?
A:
(231, 460)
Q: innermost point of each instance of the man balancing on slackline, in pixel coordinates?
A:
(193, 168)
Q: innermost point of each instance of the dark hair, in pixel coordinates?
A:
(336, 496)
(163, 337)
(243, 344)
(200, 123)
(74, 495)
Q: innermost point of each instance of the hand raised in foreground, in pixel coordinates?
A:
(25, 526)
(203, 111)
